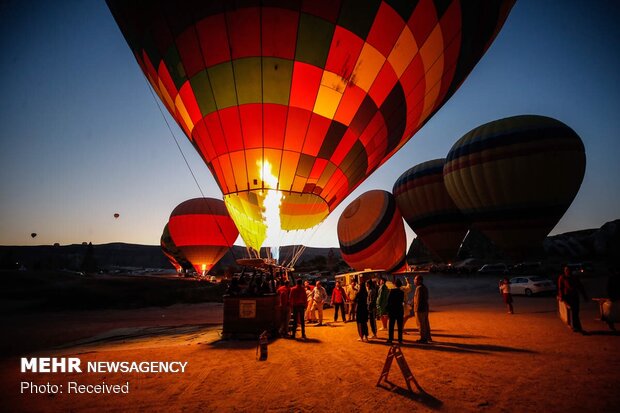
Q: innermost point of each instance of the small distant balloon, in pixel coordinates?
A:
(34, 234)
(117, 215)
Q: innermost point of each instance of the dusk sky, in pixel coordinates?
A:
(82, 137)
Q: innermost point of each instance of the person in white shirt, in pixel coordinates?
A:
(319, 295)
(352, 290)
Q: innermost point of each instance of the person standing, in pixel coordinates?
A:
(371, 304)
(395, 310)
(504, 288)
(310, 318)
(319, 295)
(352, 290)
(569, 288)
(382, 300)
(420, 308)
(284, 292)
(297, 301)
(361, 312)
(338, 300)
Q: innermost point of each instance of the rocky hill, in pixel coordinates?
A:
(602, 244)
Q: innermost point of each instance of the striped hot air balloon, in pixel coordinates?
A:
(202, 229)
(423, 200)
(305, 98)
(371, 233)
(515, 177)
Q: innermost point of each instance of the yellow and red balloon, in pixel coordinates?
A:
(303, 97)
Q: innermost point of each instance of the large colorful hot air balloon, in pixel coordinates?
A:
(292, 104)
(172, 252)
(202, 229)
(371, 233)
(423, 200)
(515, 177)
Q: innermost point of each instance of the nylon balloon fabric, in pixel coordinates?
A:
(514, 178)
(371, 233)
(202, 229)
(172, 252)
(429, 210)
(306, 98)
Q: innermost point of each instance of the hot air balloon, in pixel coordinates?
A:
(293, 104)
(371, 233)
(423, 200)
(202, 229)
(116, 215)
(515, 177)
(33, 235)
(172, 252)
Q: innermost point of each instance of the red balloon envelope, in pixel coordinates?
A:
(172, 252)
(304, 97)
(202, 229)
(371, 233)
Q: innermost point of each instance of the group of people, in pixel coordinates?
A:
(302, 303)
(569, 290)
(388, 305)
(364, 305)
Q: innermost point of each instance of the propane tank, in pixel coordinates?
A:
(263, 341)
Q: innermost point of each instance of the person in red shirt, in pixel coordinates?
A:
(338, 300)
(298, 301)
(285, 309)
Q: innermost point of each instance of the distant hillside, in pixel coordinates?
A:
(602, 244)
(114, 255)
(592, 244)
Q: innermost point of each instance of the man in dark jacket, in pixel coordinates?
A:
(396, 299)
(569, 288)
(420, 308)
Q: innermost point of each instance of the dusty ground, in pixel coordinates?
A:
(482, 359)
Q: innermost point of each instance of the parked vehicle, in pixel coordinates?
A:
(467, 266)
(493, 269)
(523, 268)
(530, 285)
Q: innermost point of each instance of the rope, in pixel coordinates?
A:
(176, 141)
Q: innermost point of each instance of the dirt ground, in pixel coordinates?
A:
(481, 359)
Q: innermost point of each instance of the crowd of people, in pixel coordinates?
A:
(373, 300)
(362, 304)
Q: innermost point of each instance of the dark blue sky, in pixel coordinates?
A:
(82, 138)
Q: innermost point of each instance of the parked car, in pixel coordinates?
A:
(493, 269)
(531, 284)
(523, 268)
(467, 266)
